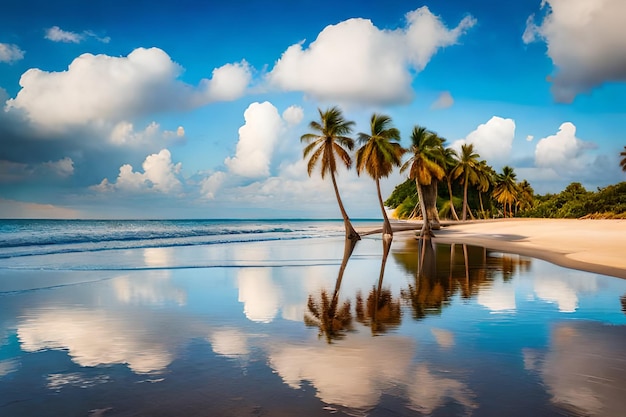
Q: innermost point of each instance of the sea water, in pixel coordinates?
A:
(232, 318)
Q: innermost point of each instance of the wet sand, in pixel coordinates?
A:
(597, 246)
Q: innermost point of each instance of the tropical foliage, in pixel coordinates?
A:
(443, 179)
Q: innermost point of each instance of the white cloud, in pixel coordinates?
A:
(257, 139)
(56, 34)
(585, 41)
(63, 167)
(211, 184)
(123, 133)
(563, 152)
(444, 101)
(229, 82)
(293, 115)
(355, 61)
(101, 88)
(160, 175)
(530, 138)
(10, 53)
(492, 140)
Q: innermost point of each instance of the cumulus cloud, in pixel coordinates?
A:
(160, 175)
(101, 88)
(492, 140)
(562, 152)
(10, 53)
(293, 115)
(124, 133)
(211, 184)
(354, 61)
(257, 139)
(585, 42)
(444, 101)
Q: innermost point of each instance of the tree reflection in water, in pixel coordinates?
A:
(325, 313)
(442, 270)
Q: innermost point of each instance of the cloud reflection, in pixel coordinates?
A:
(584, 368)
(96, 337)
(563, 291)
(355, 372)
(229, 342)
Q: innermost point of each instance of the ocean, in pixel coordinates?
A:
(40, 237)
(270, 318)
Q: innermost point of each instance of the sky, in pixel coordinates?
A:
(189, 109)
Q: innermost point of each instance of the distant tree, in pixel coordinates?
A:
(466, 169)
(447, 159)
(505, 190)
(423, 167)
(328, 141)
(526, 195)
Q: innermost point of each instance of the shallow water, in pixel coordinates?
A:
(244, 328)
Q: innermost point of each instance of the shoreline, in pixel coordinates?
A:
(597, 246)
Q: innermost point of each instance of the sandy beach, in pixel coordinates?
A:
(590, 245)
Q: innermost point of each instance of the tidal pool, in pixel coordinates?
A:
(267, 329)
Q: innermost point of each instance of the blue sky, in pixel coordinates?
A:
(193, 109)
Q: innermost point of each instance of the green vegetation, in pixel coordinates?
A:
(440, 179)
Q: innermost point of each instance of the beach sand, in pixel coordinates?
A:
(597, 246)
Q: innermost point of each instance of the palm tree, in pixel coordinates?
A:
(506, 191)
(486, 176)
(447, 159)
(330, 140)
(379, 153)
(467, 169)
(424, 167)
(526, 195)
(622, 163)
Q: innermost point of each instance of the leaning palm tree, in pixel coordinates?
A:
(378, 154)
(622, 163)
(328, 141)
(466, 169)
(423, 167)
(506, 191)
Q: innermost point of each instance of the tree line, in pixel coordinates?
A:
(440, 179)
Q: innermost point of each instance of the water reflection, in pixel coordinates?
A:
(584, 368)
(442, 271)
(325, 313)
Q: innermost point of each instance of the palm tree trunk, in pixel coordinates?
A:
(429, 193)
(350, 232)
(456, 217)
(387, 239)
(347, 251)
(482, 209)
(425, 232)
(465, 197)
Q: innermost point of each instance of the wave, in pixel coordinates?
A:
(26, 238)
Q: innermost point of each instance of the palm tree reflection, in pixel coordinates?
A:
(441, 271)
(325, 313)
